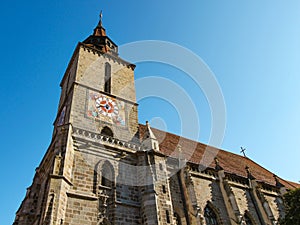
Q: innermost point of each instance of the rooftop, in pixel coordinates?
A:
(198, 153)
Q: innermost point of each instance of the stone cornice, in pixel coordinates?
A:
(202, 175)
(270, 193)
(82, 195)
(129, 147)
(107, 55)
(238, 185)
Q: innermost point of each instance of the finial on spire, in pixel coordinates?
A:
(99, 30)
(101, 16)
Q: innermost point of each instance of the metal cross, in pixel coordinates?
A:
(243, 151)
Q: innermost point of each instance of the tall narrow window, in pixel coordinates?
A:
(107, 78)
(107, 187)
(210, 216)
(168, 216)
(107, 175)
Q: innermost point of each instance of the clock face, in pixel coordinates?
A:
(106, 106)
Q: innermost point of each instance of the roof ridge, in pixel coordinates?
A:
(198, 142)
(259, 172)
(293, 184)
(289, 182)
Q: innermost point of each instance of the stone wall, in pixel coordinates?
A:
(177, 199)
(81, 210)
(88, 178)
(90, 77)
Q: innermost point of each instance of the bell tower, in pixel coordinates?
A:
(95, 137)
(98, 169)
(98, 89)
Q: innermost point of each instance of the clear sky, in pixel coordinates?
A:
(252, 47)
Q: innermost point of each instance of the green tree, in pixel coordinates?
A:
(292, 204)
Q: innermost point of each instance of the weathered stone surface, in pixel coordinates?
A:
(89, 177)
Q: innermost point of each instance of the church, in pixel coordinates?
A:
(103, 167)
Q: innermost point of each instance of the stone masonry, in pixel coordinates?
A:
(103, 167)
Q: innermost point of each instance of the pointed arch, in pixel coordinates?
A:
(104, 174)
(106, 190)
(107, 131)
(107, 78)
(211, 215)
(107, 175)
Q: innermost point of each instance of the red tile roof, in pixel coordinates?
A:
(200, 153)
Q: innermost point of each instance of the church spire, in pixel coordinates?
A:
(100, 40)
(99, 31)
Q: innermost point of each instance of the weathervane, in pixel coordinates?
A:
(243, 151)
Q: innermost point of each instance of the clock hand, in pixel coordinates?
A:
(100, 105)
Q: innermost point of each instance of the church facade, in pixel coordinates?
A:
(103, 167)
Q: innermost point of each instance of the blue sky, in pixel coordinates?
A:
(252, 47)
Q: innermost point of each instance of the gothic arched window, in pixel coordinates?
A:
(107, 78)
(106, 193)
(107, 132)
(248, 221)
(210, 216)
(107, 175)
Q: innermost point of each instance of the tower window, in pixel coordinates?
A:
(168, 216)
(107, 132)
(104, 181)
(107, 175)
(164, 189)
(107, 78)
